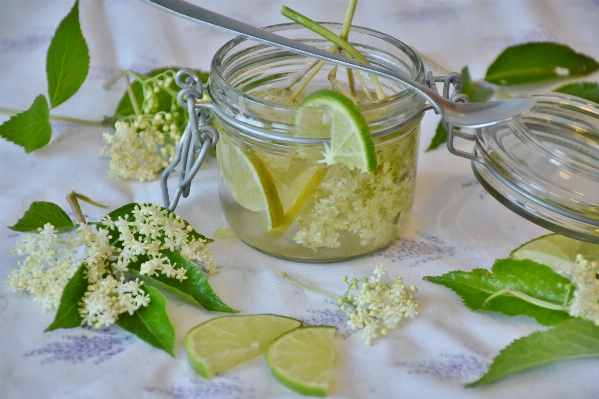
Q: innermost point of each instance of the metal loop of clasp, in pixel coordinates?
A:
(196, 140)
(456, 81)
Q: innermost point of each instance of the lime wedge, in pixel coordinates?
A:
(221, 343)
(554, 250)
(303, 359)
(250, 182)
(339, 119)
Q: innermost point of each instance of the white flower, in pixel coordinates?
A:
(378, 306)
(585, 300)
(367, 204)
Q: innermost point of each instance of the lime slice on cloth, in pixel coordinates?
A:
(303, 359)
(351, 141)
(250, 182)
(221, 343)
(554, 250)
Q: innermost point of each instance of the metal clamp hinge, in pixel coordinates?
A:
(196, 140)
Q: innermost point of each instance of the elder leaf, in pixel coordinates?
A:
(151, 323)
(534, 62)
(67, 62)
(195, 289)
(439, 139)
(586, 90)
(528, 277)
(571, 339)
(29, 129)
(67, 315)
(477, 92)
(40, 213)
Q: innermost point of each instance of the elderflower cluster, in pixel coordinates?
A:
(585, 300)
(379, 306)
(368, 205)
(145, 144)
(107, 251)
(141, 148)
(50, 259)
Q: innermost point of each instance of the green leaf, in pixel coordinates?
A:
(67, 315)
(67, 62)
(29, 129)
(528, 277)
(125, 107)
(571, 339)
(40, 213)
(195, 289)
(151, 323)
(439, 139)
(586, 90)
(477, 92)
(534, 62)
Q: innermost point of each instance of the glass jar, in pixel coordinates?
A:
(545, 165)
(275, 192)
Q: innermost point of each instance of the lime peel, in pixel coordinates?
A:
(351, 140)
(223, 342)
(303, 359)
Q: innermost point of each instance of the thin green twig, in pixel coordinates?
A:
(332, 37)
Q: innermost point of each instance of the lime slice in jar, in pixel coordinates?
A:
(303, 359)
(250, 182)
(554, 250)
(340, 119)
(223, 342)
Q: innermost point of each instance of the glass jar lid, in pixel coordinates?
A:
(545, 165)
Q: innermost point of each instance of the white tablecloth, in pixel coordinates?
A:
(455, 224)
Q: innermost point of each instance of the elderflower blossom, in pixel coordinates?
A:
(51, 259)
(141, 148)
(368, 205)
(145, 144)
(378, 306)
(585, 300)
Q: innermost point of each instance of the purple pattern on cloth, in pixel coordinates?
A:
(456, 367)
(99, 345)
(329, 317)
(428, 248)
(431, 12)
(222, 387)
(474, 183)
(26, 43)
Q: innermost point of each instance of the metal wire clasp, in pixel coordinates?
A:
(457, 81)
(196, 140)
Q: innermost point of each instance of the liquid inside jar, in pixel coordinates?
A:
(288, 203)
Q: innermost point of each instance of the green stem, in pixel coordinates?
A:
(529, 299)
(9, 111)
(73, 200)
(332, 37)
(132, 98)
(307, 287)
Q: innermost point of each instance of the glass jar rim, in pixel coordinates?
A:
(414, 57)
(219, 78)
